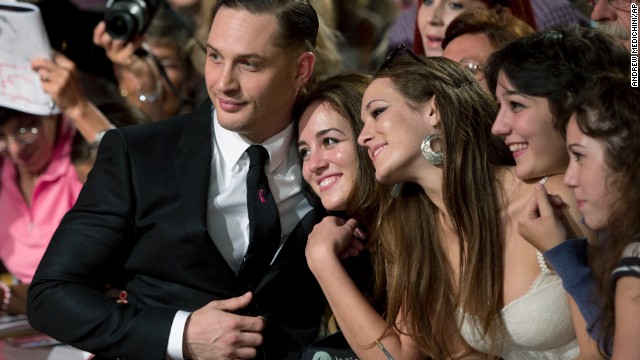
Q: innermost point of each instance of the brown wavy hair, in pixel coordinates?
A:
(420, 287)
(369, 198)
(608, 112)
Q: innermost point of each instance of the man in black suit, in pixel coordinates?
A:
(163, 214)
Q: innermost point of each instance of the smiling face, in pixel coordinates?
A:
(588, 174)
(526, 125)
(433, 18)
(327, 147)
(251, 81)
(393, 132)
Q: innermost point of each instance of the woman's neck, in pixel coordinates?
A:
(431, 183)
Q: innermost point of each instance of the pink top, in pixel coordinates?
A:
(25, 232)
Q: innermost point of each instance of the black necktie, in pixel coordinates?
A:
(264, 221)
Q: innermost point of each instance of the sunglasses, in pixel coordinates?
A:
(394, 54)
(403, 49)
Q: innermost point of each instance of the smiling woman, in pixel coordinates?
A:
(340, 173)
(333, 163)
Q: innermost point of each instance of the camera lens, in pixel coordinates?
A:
(121, 25)
(127, 18)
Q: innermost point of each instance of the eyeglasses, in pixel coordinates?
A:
(25, 135)
(616, 4)
(395, 53)
(472, 66)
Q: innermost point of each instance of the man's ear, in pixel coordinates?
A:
(306, 62)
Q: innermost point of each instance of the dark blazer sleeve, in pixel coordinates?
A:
(66, 299)
(140, 220)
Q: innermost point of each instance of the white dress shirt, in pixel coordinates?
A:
(227, 214)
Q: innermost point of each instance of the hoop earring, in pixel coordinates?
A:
(432, 156)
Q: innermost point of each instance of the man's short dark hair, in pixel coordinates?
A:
(297, 19)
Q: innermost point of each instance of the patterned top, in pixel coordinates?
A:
(549, 13)
(629, 264)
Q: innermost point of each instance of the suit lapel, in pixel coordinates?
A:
(193, 163)
(294, 246)
(193, 171)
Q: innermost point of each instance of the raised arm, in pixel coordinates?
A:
(547, 222)
(359, 322)
(60, 80)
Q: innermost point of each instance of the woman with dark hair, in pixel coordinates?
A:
(604, 172)
(554, 65)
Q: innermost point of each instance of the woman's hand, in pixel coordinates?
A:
(334, 237)
(545, 221)
(120, 52)
(60, 80)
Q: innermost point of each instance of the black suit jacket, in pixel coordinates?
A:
(140, 224)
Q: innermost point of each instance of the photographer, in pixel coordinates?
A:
(141, 58)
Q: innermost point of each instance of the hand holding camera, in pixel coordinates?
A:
(127, 18)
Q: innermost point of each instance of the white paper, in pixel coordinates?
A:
(22, 38)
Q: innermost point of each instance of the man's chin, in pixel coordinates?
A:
(618, 31)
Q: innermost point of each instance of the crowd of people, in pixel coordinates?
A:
(276, 179)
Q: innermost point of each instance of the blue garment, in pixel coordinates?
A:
(569, 260)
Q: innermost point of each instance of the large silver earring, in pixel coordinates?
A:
(432, 156)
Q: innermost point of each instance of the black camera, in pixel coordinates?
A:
(127, 18)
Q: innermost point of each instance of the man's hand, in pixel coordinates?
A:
(214, 332)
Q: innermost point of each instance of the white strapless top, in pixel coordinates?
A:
(538, 324)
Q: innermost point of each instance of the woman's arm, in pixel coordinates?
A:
(627, 318)
(359, 322)
(546, 222)
(60, 80)
(138, 76)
